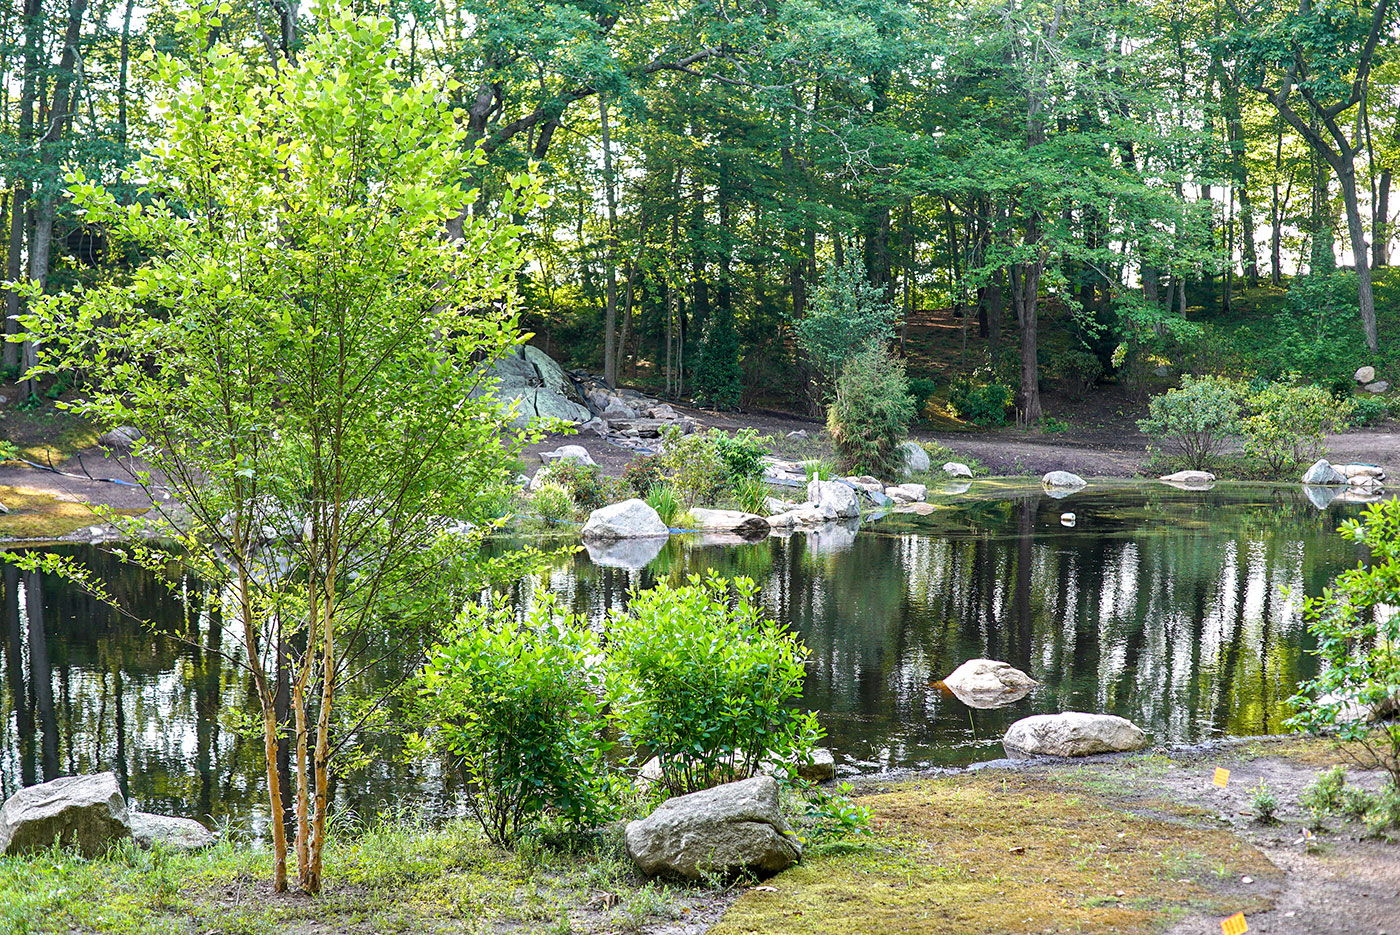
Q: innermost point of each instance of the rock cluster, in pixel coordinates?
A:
(1325, 483)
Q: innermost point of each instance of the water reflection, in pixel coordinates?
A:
(1169, 607)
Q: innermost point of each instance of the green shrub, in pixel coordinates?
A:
(586, 483)
(1264, 803)
(517, 705)
(1323, 796)
(718, 376)
(1369, 410)
(1354, 802)
(664, 501)
(847, 313)
(706, 684)
(643, 473)
(553, 502)
(1195, 421)
(921, 390)
(984, 404)
(703, 466)
(1285, 424)
(742, 453)
(1384, 813)
(1078, 369)
(1358, 647)
(871, 413)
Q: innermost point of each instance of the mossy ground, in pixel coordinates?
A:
(1013, 853)
(35, 514)
(46, 435)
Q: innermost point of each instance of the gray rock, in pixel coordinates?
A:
(123, 436)
(956, 469)
(1062, 479)
(915, 457)
(822, 767)
(629, 554)
(1072, 733)
(804, 514)
(567, 453)
(1350, 471)
(86, 813)
(1380, 386)
(551, 375)
(1189, 478)
(1365, 374)
(728, 521)
(1161, 371)
(630, 519)
(840, 498)
(1322, 474)
(798, 433)
(518, 377)
(618, 411)
(988, 683)
(180, 834)
(730, 829)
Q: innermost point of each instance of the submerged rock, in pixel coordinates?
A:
(729, 521)
(988, 683)
(1072, 733)
(630, 519)
(1320, 497)
(86, 813)
(730, 829)
(1189, 478)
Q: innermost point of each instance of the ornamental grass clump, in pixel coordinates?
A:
(705, 683)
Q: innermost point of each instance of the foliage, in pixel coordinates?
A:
(706, 684)
(1383, 815)
(642, 474)
(1324, 794)
(1358, 647)
(718, 376)
(1369, 410)
(1078, 369)
(553, 502)
(517, 705)
(742, 453)
(664, 501)
(833, 814)
(751, 495)
(980, 404)
(1264, 802)
(1286, 423)
(921, 390)
(297, 341)
(586, 484)
(871, 413)
(847, 314)
(702, 466)
(1196, 420)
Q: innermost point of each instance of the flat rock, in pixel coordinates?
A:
(840, 498)
(181, 834)
(1322, 474)
(1365, 374)
(956, 469)
(630, 519)
(728, 521)
(1072, 733)
(1380, 386)
(1062, 479)
(988, 683)
(1360, 470)
(915, 457)
(1190, 478)
(86, 813)
(730, 829)
(804, 514)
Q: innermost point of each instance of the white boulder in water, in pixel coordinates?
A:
(630, 519)
(1062, 479)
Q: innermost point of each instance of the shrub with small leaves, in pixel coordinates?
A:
(1285, 424)
(642, 474)
(586, 483)
(1196, 420)
(1264, 802)
(1384, 814)
(980, 404)
(1354, 802)
(553, 502)
(1323, 796)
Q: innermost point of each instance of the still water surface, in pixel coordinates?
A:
(1175, 609)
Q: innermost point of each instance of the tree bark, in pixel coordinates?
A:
(610, 261)
(1380, 222)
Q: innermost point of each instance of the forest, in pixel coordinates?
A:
(1074, 190)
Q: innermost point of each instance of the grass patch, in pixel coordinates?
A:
(979, 854)
(38, 515)
(47, 435)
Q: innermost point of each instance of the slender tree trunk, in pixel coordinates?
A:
(122, 78)
(14, 268)
(1380, 222)
(610, 309)
(626, 319)
(1366, 299)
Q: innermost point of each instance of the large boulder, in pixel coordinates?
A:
(729, 521)
(804, 514)
(1062, 479)
(123, 436)
(1365, 374)
(956, 469)
(86, 813)
(541, 387)
(630, 519)
(840, 498)
(1072, 733)
(730, 829)
(1322, 474)
(180, 834)
(988, 683)
(915, 457)
(567, 453)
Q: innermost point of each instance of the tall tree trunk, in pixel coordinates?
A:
(125, 56)
(610, 309)
(1380, 222)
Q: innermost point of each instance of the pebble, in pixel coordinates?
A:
(1247, 880)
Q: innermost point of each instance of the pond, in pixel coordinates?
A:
(1173, 608)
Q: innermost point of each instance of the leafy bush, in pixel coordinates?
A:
(642, 474)
(871, 413)
(1323, 795)
(980, 404)
(664, 501)
(1369, 410)
(705, 683)
(1265, 803)
(1354, 802)
(586, 483)
(1196, 420)
(1077, 369)
(553, 502)
(1358, 645)
(718, 376)
(1286, 424)
(703, 466)
(742, 453)
(846, 314)
(921, 390)
(1384, 813)
(518, 705)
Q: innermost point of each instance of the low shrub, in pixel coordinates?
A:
(984, 405)
(517, 705)
(741, 452)
(1265, 803)
(1369, 410)
(871, 414)
(706, 684)
(1384, 814)
(553, 502)
(586, 483)
(642, 474)
(703, 466)
(1078, 370)
(921, 389)
(751, 496)
(1285, 424)
(1196, 420)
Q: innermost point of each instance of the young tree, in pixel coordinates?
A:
(301, 349)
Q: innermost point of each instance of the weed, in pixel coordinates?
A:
(1265, 803)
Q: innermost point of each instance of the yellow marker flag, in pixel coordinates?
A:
(1222, 776)
(1235, 925)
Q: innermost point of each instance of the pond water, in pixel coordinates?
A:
(1176, 609)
